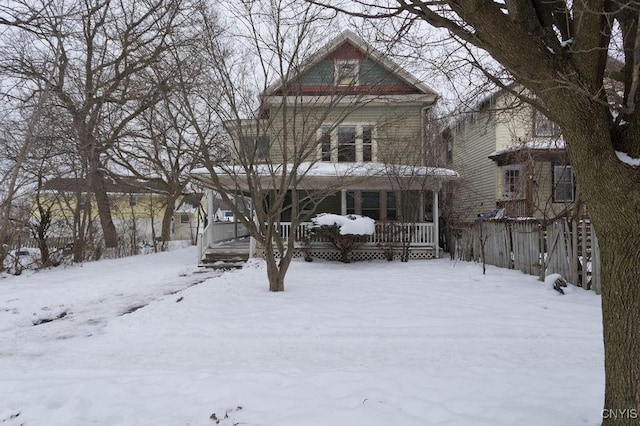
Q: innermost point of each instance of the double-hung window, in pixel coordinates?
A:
(325, 143)
(512, 182)
(563, 187)
(347, 143)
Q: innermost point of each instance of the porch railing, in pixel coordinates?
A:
(515, 208)
(416, 234)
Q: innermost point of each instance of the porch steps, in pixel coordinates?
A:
(230, 255)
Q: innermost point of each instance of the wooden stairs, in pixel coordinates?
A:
(228, 255)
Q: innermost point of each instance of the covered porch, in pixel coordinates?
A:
(404, 206)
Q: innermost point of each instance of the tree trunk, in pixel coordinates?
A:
(104, 212)
(166, 219)
(277, 268)
(274, 271)
(102, 202)
(611, 191)
(620, 248)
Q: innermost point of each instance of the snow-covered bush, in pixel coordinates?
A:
(345, 233)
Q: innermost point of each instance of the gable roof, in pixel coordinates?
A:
(120, 185)
(348, 45)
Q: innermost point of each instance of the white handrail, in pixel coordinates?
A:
(416, 234)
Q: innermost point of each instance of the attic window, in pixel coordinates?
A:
(346, 72)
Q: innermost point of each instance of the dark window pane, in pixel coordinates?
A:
(371, 205)
(347, 144)
(351, 202)
(367, 143)
(325, 144)
(392, 211)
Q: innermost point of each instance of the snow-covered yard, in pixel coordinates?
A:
(145, 341)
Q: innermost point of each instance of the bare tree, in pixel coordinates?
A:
(273, 129)
(103, 52)
(559, 52)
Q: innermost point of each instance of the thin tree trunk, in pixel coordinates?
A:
(166, 219)
(109, 232)
(275, 273)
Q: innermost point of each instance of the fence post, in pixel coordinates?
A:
(585, 283)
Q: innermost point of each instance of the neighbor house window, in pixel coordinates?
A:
(184, 218)
(544, 127)
(347, 143)
(512, 182)
(563, 187)
(133, 200)
(346, 72)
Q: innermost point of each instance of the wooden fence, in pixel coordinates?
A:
(569, 248)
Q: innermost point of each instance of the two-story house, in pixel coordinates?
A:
(512, 163)
(356, 120)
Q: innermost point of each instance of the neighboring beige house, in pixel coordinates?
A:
(137, 208)
(512, 163)
(361, 121)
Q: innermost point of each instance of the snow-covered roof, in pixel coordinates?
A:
(534, 144)
(327, 169)
(315, 175)
(357, 41)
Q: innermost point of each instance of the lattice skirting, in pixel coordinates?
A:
(330, 253)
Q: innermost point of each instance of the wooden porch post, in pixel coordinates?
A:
(343, 202)
(436, 230)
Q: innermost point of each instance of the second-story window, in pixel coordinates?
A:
(346, 72)
(256, 148)
(563, 184)
(544, 127)
(367, 143)
(512, 182)
(347, 143)
(325, 143)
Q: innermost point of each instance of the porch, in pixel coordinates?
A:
(403, 200)
(388, 240)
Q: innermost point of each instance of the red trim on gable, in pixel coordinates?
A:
(359, 90)
(347, 51)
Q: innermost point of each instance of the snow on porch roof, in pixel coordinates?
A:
(320, 173)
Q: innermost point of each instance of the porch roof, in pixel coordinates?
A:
(325, 175)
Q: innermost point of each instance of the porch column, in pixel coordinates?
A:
(436, 230)
(343, 202)
(209, 207)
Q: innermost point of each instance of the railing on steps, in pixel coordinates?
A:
(216, 232)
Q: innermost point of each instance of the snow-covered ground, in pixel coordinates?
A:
(370, 343)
